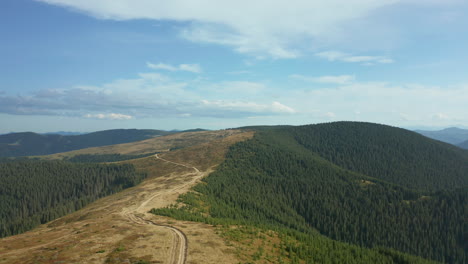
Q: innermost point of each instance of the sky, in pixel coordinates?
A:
(86, 65)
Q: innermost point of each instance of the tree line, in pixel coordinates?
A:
(33, 192)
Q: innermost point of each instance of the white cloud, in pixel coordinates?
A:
(281, 108)
(344, 57)
(405, 117)
(152, 76)
(440, 116)
(333, 79)
(195, 68)
(250, 107)
(161, 66)
(331, 55)
(386, 103)
(241, 43)
(385, 60)
(111, 116)
(239, 88)
(159, 96)
(437, 2)
(149, 95)
(277, 29)
(190, 68)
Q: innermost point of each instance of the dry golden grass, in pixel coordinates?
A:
(107, 230)
(157, 144)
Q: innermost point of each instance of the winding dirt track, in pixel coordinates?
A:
(119, 228)
(180, 164)
(180, 243)
(179, 250)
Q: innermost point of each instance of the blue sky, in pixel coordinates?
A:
(86, 65)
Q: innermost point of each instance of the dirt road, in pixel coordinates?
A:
(118, 228)
(180, 242)
(183, 165)
(139, 215)
(179, 248)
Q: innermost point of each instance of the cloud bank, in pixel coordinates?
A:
(344, 57)
(333, 79)
(276, 29)
(382, 102)
(316, 99)
(195, 68)
(150, 95)
(111, 116)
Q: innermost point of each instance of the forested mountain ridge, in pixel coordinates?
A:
(389, 153)
(29, 144)
(361, 183)
(343, 192)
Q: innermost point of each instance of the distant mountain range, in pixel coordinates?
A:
(464, 144)
(29, 143)
(65, 133)
(453, 135)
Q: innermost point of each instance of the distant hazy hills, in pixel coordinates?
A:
(464, 144)
(28, 143)
(453, 135)
(65, 133)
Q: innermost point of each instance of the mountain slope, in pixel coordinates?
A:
(29, 144)
(279, 190)
(452, 135)
(117, 228)
(392, 154)
(289, 178)
(50, 189)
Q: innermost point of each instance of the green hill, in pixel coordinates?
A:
(388, 153)
(30, 144)
(370, 185)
